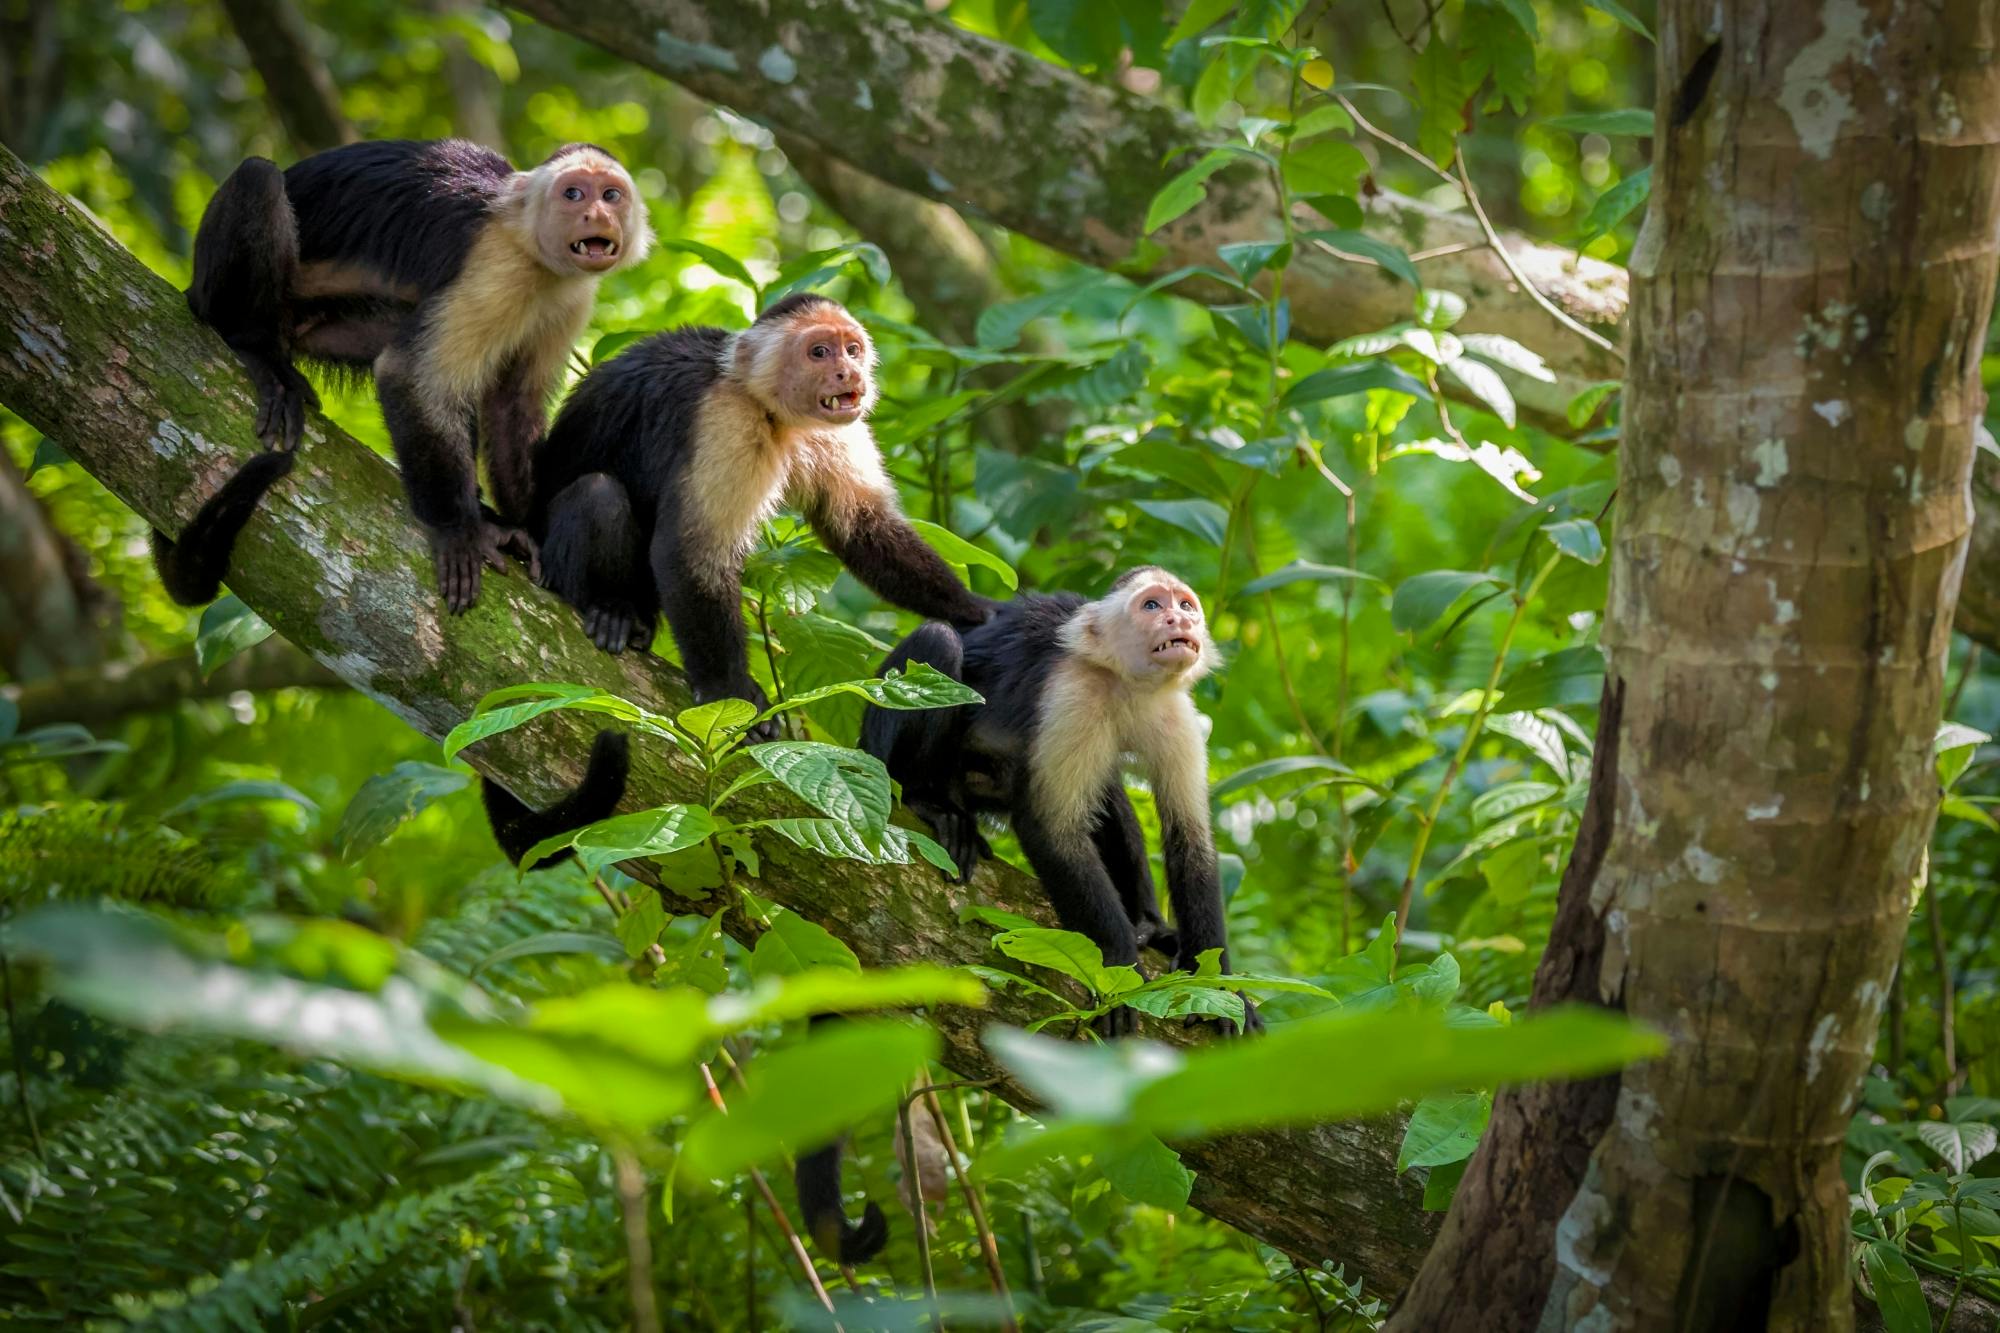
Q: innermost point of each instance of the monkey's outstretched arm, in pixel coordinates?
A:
(872, 538)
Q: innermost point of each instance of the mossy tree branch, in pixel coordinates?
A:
(103, 357)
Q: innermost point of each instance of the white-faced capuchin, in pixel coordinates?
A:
(663, 461)
(1070, 687)
(458, 282)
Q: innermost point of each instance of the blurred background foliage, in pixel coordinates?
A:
(1119, 432)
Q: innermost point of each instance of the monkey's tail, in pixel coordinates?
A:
(518, 827)
(818, 1180)
(193, 567)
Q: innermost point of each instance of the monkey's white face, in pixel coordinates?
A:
(1161, 633)
(826, 369)
(590, 220)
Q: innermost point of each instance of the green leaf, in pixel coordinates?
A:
(1393, 258)
(1145, 1170)
(1443, 87)
(1176, 197)
(656, 832)
(1504, 351)
(1577, 538)
(1523, 12)
(958, 551)
(1420, 601)
(1960, 1145)
(1612, 206)
(1305, 571)
(552, 942)
(247, 790)
(1495, 43)
(847, 785)
(1898, 1295)
(791, 945)
(1080, 1082)
(387, 800)
(1344, 381)
(718, 722)
(1071, 954)
(47, 454)
(1954, 746)
(918, 685)
(1326, 116)
(1000, 326)
(830, 837)
(611, 344)
(843, 990)
(802, 1096)
(698, 960)
(728, 265)
(495, 715)
(1324, 166)
(818, 267)
(1567, 676)
(1444, 1128)
(1630, 20)
(1635, 120)
(1485, 384)
(1083, 32)
(1284, 766)
(1249, 258)
(1197, 18)
(1584, 406)
(1204, 518)
(640, 924)
(227, 628)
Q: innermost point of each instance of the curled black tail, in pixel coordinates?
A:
(516, 827)
(818, 1180)
(193, 567)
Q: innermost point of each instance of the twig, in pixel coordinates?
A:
(989, 1247)
(638, 1244)
(1372, 131)
(20, 1058)
(916, 1185)
(1947, 1027)
(777, 1209)
(1589, 335)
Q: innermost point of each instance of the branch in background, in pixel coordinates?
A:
(942, 266)
(100, 696)
(1001, 135)
(475, 89)
(296, 81)
(106, 357)
(52, 613)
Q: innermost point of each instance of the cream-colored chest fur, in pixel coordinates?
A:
(506, 306)
(1090, 718)
(745, 465)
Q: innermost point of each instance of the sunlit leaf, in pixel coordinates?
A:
(227, 628)
(1392, 258)
(1071, 954)
(387, 800)
(959, 551)
(1421, 600)
(1443, 1128)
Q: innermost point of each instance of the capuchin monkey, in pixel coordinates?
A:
(664, 460)
(1070, 687)
(458, 282)
(518, 827)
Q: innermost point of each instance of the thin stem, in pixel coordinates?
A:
(20, 1058)
(798, 1246)
(1964, 675)
(915, 1181)
(770, 654)
(1897, 1006)
(1464, 752)
(1590, 336)
(631, 1180)
(1947, 1003)
(1383, 136)
(988, 1246)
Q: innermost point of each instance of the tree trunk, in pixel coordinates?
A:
(52, 613)
(105, 357)
(1792, 528)
(297, 83)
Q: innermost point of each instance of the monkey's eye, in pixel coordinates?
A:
(1152, 604)
(854, 350)
(821, 351)
(613, 195)
(1188, 607)
(572, 194)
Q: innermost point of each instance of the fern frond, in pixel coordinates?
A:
(85, 850)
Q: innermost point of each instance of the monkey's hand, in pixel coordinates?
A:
(1154, 933)
(461, 556)
(957, 831)
(616, 628)
(1115, 1023)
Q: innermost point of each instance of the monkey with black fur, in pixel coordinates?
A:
(1070, 687)
(458, 282)
(652, 482)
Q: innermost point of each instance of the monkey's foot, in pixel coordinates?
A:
(957, 831)
(283, 395)
(1152, 932)
(1120, 1022)
(614, 628)
(462, 556)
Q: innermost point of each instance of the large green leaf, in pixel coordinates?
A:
(1204, 518)
(958, 551)
(496, 714)
(847, 785)
(1284, 766)
(1898, 1294)
(791, 945)
(387, 800)
(804, 1095)
(1176, 197)
(1421, 600)
(1145, 1170)
(1071, 954)
(919, 685)
(1443, 1128)
(1305, 571)
(657, 832)
(1392, 258)
(1348, 380)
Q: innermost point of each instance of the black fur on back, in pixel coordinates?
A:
(407, 207)
(1007, 659)
(631, 417)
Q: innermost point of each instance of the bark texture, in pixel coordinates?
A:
(1793, 517)
(100, 696)
(105, 358)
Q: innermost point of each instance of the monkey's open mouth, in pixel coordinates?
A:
(595, 249)
(1179, 648)
(840, 402)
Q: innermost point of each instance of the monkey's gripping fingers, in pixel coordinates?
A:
(283, 395)
(1115, 1023)
(517, 543)
(462, 554)
(609, 627)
